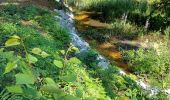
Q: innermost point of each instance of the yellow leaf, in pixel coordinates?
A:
(10, 66)
(44, 54)
(36, 51)
(12, 42)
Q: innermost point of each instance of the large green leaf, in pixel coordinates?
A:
(10, 66)
(49, 80)
(31, 91)
(51, 88)
(70, 97)
(36, 51)
(90, 98)
(69, 78)
(74, 60)
(75, 49)
(15, 89)
(62, 52)
(39, 52)
(44, 54)
(58, 63)
(14, 40)
(32, 59)
(24, 79)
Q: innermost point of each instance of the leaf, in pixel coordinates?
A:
(10, 66)
(59, 64)
(30, 91)
(14, 40)
(49, 80)
(75, 49)
(15, 89)
(79, 93)
(90, 98)
(32, 59)
(1, 49)
(74, 60)
(15, 36)
(70, 97)
(51, 88)
(44, 54)
(36, 51)
(69, 78)
(62, 52)
(39, 52)
(24, 79)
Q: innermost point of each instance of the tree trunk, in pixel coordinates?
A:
(147, 24)
(124, 17)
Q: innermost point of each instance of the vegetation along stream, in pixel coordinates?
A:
(84, 50)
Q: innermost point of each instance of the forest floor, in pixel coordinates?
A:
(43, 3)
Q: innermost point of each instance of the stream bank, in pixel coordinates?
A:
(67, 20)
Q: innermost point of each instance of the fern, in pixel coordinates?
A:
(5, 95)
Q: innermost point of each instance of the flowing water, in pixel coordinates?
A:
(67, 20)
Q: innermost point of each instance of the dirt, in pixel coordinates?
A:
(44, 3)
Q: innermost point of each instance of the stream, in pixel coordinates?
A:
(67, 21)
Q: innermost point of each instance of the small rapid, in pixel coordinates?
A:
(67, 21)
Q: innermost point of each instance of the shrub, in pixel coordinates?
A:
(154, 63)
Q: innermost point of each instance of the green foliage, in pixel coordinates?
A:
(167, 31)
(32, 69)
(118, 28)
(137, 11)
(58, 33)
(29, 12)
(8, 28)
(152, 62)
(35, 63)
(10, 9)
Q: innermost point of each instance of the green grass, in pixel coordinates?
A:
(118, 29)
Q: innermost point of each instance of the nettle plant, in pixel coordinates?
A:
(19, 79)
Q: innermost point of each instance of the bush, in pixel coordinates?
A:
(154, 63)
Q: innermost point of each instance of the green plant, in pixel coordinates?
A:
(8, 28)
(29, 12)
(154, 63)
(58, 33)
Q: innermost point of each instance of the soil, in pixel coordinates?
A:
(44, 3)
